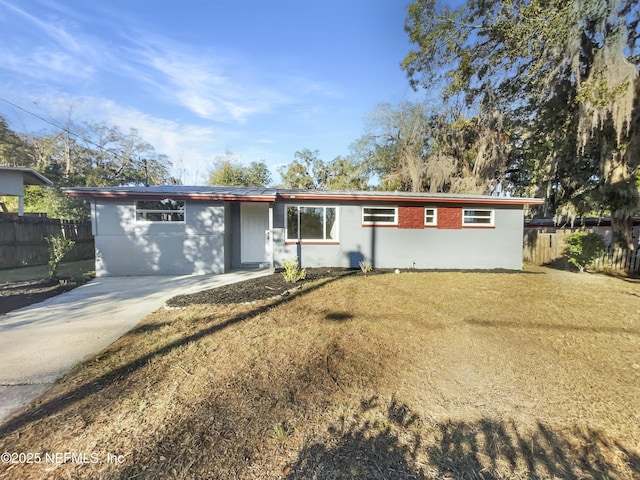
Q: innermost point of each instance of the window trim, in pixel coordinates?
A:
(434, 223)
(381, 224)
(151, 210)
(312, 241)
(490, 224)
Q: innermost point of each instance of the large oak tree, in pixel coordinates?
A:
(564, 71)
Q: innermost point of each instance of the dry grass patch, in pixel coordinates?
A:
(418, 375)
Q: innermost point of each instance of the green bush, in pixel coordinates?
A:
(583, 249)
(292, 272)
(58, 248)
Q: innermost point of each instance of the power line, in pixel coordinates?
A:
(38, 116)
(64, 129)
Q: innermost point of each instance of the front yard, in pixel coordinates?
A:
(422, 375)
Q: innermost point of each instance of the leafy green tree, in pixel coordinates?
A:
(116, 158)
(53, 202)
(258, 174)
(83, 155)
(308, 171)
(14, 150)
(229, 171)
(346, 173)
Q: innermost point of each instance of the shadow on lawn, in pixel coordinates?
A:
(37, 412)
(550, 326)
(222, 436)
(399, 445)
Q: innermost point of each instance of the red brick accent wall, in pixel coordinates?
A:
(411, 217)
(449, 217)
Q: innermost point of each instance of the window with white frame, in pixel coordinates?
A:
(165, 210)
(379, 215)
(312, 223)
(477, 218)
(430, 216)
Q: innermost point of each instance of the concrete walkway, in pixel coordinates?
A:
(40, 343)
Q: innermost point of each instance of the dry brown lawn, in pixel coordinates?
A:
(418, 375)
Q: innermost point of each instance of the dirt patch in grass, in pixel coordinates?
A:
(21, 287)
(16, 295)
(417, 375)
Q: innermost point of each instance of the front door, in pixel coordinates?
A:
(254, 225)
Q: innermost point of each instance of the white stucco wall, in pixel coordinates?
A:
(201, 245)
(126, 247)
(428, 248)
(11, 183)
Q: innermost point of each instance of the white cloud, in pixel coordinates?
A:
(46, 66)
(190, 102)
(213, 84)
(48, 48)
(191, 147)
(209, 85)
(55, 32)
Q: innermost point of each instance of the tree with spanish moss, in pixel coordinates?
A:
(564, 71)
(416, 147)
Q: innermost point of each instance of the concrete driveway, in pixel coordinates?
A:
(40, 343)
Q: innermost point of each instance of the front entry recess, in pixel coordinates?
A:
(254, 222)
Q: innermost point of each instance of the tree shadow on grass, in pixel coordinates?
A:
(56, 404)
(375, 448)
(400, 445)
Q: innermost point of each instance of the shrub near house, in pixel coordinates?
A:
(583, 249)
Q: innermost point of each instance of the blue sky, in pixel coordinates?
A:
(260, 78)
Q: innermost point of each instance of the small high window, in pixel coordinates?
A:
(477, 218)
(166, 210)
(430, 216)
(379, 216)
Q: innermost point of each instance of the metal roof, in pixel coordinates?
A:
(270, 194)
(29, 176)
(177, 191)
(391, 196)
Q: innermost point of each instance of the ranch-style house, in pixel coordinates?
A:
(181, 230)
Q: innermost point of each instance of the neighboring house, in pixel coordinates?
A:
(169, 230)
(13, 180)
(537, 227)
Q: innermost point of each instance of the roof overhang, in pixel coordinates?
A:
(183, 193)
(29, 176)
(406, 197)
(250, 194)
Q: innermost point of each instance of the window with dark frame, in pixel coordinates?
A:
(379, 215)
(477, 218)
(313, 223)
(165, 210)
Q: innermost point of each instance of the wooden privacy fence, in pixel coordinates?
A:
(544, 246)
(22, 239)
(620, 259)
